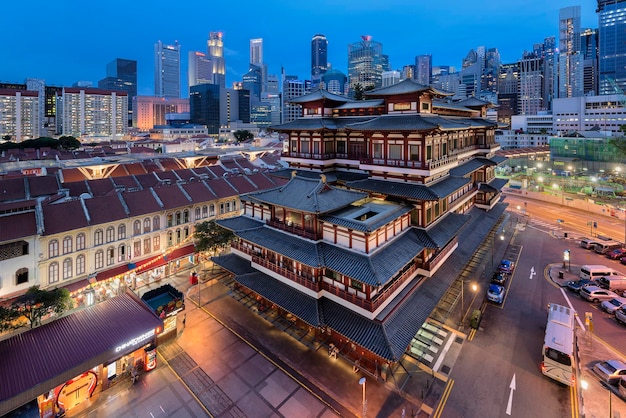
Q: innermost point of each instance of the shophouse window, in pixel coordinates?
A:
(186, 232)
(110, 234)
(146, 246)
(197, 212)
(136, 248)
(53, 272)
(170, 238)
(110, 256)
(170, 220)
(156, 223)
(211, 210)
(98, 237)
(234, 203)
(121, 231)
(205, 211)
(80, 264)
(21, 276)
(99, 259)
(53, 248)
(137, 227)
(177, 218)
(146, 225)
(178, 236)
(67, 268)
(156, 243)
(227, 206)
(67, 245)
(80, 242)
(121, 253)
(221, 208)
(186, 216)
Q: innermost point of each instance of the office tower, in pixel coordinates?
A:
(334, 81)
(19, 114)
(150, 111)
(200, 69)
(215, 52)
(292, 87)
(319, 57)
(256, 59)
(234, 106)
(408, 71)
(121, 74)
(569, 64)
(204, 106)
(612, 48)
(531, 85)
(167, 70)
(390, 78)
(508, 82)
(366, 63)
(423, 69)
(253, 81)
(273, 84)
(94, 112)
(589, 49)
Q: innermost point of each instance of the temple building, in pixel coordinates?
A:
(378, 192)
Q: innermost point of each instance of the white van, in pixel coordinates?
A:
(614, 283)
(604, 247)
(588, 243)
(595, 271)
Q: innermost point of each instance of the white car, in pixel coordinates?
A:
(610, 306)
(620, 315)
(610, 371)
(596, 294)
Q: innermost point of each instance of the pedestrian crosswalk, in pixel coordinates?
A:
(543, 225)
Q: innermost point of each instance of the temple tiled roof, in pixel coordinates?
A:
(306, 195)
(406, 190)
(406, 86)
(319, 95)
(470, 166)
(361, 104)
(447, 186)
(475, 102)
(239, 224)
(307, 124)
(377, 222)
(291, 246)
(410, 122)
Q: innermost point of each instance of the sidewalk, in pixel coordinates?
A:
(594, 400)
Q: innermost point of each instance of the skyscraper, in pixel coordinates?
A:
(215, 52)
(319, 57)
(121, 74)
(167, 70)
(589, 49)
(200, 69)
(256, 59)
(612, 48)
(423, 69)
(366, 63)
(569, 65)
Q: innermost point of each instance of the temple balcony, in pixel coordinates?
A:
(292, 229)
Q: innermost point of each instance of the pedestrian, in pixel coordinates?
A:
(184, 320)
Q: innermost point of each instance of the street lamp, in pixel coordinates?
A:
(362, 382)
(474, 288)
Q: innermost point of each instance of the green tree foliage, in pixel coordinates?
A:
(69, 143)
(6, 138)
(65, 142)
(9, 318)
(243, 135)
(619, 142)
(358, 91)
(211, 237)
(37, 303)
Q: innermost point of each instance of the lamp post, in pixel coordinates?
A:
(362, 383)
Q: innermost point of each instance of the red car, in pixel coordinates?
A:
(616, 254)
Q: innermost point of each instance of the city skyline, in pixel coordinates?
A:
(455, 31)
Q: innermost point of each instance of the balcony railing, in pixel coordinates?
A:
(307, 281)
(348, 297)
(294, 229)
(444, 251)
(392, 162)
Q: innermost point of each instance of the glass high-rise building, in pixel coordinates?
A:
(215, 52)
(200, 69)
(423, 69)
(612, 47)
(570, 62)
(319, 57)
(167, 70)
(366, 63)
(121, 74)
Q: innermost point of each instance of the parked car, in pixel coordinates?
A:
(610, 306)
(588, 243)
(620, 315)
(506, 266)
(499, 277)
(610, 371)
(621, 386)
(596, 294)
(496, 293)
(616, 254)
(576, 285)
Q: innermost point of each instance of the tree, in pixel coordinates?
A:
(37, 303)
(69, 143)
(243, 135)
(9, 318)
(358, 91)
(211, 237)
(6, 137)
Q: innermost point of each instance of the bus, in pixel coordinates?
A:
(559, 345)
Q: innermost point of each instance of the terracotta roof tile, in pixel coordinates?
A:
(17, 225)
(101, 187)
(141, 202)
(105, 209)
(43, 185)
(12, 189)
(199, 191)
(65, 216)
(171, 196)
(222, 188)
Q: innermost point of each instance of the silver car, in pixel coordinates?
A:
(610, 371)
(610, 306)
(596, 294)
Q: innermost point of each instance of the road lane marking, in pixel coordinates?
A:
(532, 272)
(510, 404)
(569, 303)
(444, 399)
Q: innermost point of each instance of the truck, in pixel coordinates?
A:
(615, 283)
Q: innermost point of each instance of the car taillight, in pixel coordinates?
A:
(543, 367)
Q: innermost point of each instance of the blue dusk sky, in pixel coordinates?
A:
(66, 41)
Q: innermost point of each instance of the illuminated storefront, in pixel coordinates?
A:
(79, 355)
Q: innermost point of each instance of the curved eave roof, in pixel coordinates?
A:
(406, 86)
(364, 226)
(475, 102)
(412, 122)
(362, 104)
(404, 190)
(306, 124)
(320, 95)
